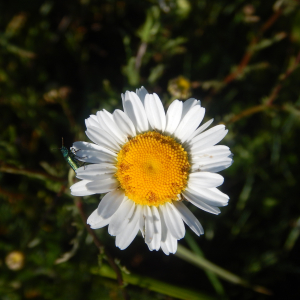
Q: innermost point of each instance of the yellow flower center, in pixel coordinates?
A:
(152, 169)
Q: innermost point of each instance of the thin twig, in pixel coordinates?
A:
(6, 168)
(101, 248)
(278, 87)
(247, 112)
(139, 57)
(250, 49)
(274, 94)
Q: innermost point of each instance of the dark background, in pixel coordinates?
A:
(61, 61)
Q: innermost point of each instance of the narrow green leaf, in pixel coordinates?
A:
(153, 285)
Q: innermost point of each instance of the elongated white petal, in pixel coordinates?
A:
(169, 245)
(111, 127)
(96, 221)
(134, 109)
(102, 186)
(95, 157)
(83, 146)
(188, 105)
(89, 146)
(141, 92)
(110, 203)
(92, 121)
(206, 179)
(101, 223)
(149, 226)
(124, 123)
(94, 217)
(208, 193)
(189, 218)
(200, 129)
(164, 248)
(96, 169)
(122, 217)
(201, 204)
(80, 189)
(208, 138)
(173, 221)
(189, 123)
(218, 151)
(173, 116)
(211, 196)
(102, 138)
(214, 165)
(127, 235)
(96, 177)
(155, 112)
(155, 243)
(220, 200)
(142, 222)
(168, 242)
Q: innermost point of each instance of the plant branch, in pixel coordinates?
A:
(102, 249)
(274, 94)
(250, 49)
(7, 168)
(278, 87)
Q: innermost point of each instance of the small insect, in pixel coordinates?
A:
(70, 157)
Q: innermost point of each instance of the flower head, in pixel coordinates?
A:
(150, 164)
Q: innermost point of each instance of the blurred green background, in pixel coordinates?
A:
(61, 61)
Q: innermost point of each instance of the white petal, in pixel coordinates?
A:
(96, 177)
(80, 147)
(213, 165)
(95, 157)
(96, 169)
(188, 217)
(127, 235)
(89, 146)
(164, 248)
(149, 227)
(210, 153)
(80, 189)
(134, 109)
(220, 199)
(188, 105)
(155, 243)
(201, 204)
(101, 223)
(122, 217)
(200, 129)
(206, 179)
(155, 112)
(92, 121)
(142, 222)
(110, 203)
(142, 92)
(96, 221)
(102, 138)
(209, 194)
(102, 186)
(111, 127)
(168, 242)
(124, 123)
(208, 138)
(173, 116)
(189, 123)
(173, 221)
(94, 217)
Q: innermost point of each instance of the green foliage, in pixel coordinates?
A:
(61, 61)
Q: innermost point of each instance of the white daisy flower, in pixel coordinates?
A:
(151, 164)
